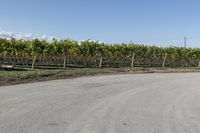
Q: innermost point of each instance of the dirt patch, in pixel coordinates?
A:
(13, 77)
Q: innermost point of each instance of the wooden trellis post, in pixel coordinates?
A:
(33, 63)
(163, 65)
(64, 64)
(1, 61)
(199, 65)
(100, 62)
(132, 60)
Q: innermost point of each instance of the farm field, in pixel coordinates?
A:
(99, 66)
(23, 61)
(93, 54)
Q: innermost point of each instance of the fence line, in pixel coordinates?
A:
(72, 61)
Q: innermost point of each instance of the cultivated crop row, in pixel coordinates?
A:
(88, 53)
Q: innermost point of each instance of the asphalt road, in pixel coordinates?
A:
(138, 103)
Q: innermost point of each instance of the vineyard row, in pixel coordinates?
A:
(65, 53)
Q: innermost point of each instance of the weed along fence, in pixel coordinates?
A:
(68, 53)
(62, 62)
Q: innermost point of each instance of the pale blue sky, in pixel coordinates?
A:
(151, 22)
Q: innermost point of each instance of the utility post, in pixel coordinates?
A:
(185, 42)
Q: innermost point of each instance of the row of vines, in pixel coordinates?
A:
(93, 54)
